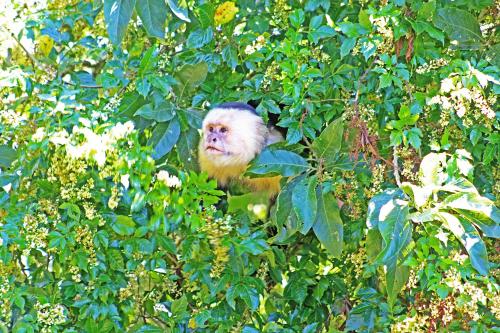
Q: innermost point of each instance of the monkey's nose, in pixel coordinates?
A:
(214, 140)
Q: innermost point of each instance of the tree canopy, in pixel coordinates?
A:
(387, 217)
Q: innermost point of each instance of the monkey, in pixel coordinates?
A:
(233, 134)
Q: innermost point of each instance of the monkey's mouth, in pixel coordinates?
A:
(213, 149)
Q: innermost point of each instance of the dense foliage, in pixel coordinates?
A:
(387, 219)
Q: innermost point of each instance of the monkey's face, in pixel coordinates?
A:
(232, 137)
(217, 138)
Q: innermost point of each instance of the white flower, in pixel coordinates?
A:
(120, 131)
(447, 85)
(169, 180)
(249, 49)
(161, 308)
(60, 138)
(125, 180)
(85, 122)
(434, 100)
(39, 134)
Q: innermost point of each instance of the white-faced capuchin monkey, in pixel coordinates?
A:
(232, 135)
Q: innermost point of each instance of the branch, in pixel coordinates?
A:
(396, 168)
(32, 58)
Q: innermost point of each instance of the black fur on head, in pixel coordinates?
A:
(238, 106)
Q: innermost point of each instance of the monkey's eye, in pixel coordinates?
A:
(223, 130)
(211, 129)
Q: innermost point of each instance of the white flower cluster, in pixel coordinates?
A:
(454, 96)
(49, 315)
(11, 118)
(259, 43)
(168, 179)
(84, 143)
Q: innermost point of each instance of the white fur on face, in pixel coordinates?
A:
(245, 138)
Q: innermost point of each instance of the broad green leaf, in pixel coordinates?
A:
(305, 203)
(373, 244)
(187, 146)
(375, 205)
(419, 194)
(163, 112)
(284, 203)
(473, 202)
(396, 230)
(117, 14)
(124, 225)
(470, 239)
(396, 277)
(191, 76)
(459, 185)
(330, 140)
(460, 26)
(7, 156)
(277, 162)
(329, 227)
(493, 55)
(153, 14)
(168, 139)
(199, 38)
(487, 226)
(430, 169)
(479, 210)
(180, 12)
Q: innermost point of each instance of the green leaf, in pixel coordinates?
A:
(180, 12)
(164, 112)
(191, 76)
(419, 194)
(179, 306)
(460, 26)
(230, 56)
(480, 210)
(305, 203)
(297, 17)
(396, 230)
(396, 278)
(330, 140)
(153, 14)
(470, 239)
(187, 146)
(346, 47)
(117, 14)
(322, 32)
(7, 156)
(328, 226)
(414, 137)
(124, 225)
(199, 38)
(385, 80)
(168, 139)
(284, 203)
(72, 210)
(277, 162)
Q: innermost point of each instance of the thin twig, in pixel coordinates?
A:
(396, 168)
(32, 58)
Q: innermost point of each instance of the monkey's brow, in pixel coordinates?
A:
(216, 124)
